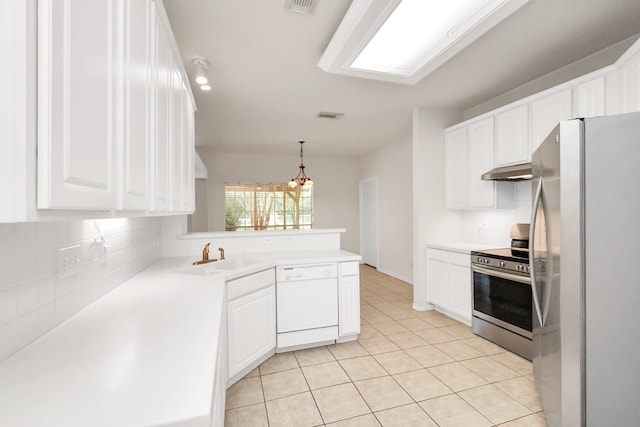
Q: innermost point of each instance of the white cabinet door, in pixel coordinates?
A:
(631, 85)
(349, 299)
(512, 132)
(589, 98)
(481, 193)
(251, 328)
(437, 277)
(137, 80)
(163, 66)
(78, 69)
(177, 147)
(459, 276)
(456, 169)
(546, 113)
(188, 166)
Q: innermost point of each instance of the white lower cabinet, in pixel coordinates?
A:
(349, 301)
(449, 283)
(251, 322)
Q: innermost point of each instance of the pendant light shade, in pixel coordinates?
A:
(301, 179)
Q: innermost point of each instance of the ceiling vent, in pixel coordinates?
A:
(327, 115)
(300, 6)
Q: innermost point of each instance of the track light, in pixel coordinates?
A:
(201, 71)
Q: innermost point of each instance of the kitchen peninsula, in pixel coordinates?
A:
(153, 351)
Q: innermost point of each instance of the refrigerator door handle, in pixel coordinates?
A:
(532, 233)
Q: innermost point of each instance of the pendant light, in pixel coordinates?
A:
(301, 179)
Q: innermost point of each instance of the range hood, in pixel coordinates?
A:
(519, 172)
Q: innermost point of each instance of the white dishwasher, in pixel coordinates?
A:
(307, 305)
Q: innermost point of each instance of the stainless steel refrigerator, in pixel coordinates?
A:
(585, 230)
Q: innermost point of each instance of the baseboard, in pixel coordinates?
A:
(422, 307)
(395, 276)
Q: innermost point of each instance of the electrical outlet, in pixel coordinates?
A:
(69, 261)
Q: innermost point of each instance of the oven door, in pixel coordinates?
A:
(503, 299)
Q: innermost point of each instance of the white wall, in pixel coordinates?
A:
(335, 193)
(431, 221)
(391, 165)
(32, 297)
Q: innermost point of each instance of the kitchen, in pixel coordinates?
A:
(398, 256)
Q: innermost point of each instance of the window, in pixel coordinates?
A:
(267, 207)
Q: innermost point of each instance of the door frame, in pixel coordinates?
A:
(362, 183)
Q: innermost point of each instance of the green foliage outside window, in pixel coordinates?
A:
(267, 207)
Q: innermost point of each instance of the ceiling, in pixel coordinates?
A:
(268, 89)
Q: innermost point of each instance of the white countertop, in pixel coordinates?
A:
(460, 247)
(142, 355)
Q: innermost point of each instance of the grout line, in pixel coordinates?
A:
(375, 286)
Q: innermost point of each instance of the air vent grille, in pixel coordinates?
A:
(327, 115)
(300, 6)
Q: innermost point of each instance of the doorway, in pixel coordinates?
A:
(369, 221)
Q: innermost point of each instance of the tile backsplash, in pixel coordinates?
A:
(492, 227)
(33, 299)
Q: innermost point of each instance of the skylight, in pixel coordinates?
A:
(404, 40)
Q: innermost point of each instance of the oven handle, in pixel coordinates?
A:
(532, 248)
(501, 274)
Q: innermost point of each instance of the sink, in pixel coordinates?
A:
(232, 264)
(219, 266)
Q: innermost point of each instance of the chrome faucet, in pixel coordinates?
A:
(221, 253)
(205, 256)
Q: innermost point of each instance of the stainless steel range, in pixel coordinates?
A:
(502, 299)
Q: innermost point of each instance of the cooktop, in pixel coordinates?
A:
(509, 254)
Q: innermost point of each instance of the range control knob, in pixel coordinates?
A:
(527, 269)
(520, 267)
(502, 263)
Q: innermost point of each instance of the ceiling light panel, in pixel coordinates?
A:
(404, 40)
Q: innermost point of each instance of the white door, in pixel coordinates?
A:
(369, 221)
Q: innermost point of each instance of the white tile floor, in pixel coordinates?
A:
(407, 368)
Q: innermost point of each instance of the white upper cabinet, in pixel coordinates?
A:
(178, 105)
(162, 87)
(189, 150)
(77, 104)
(511, 139)
(137, 75)
(17, 118)
(114, 110)
(468, 155)
(481, 193)
(546, 113)
(456, 169)
(589, 98)
(630, 73)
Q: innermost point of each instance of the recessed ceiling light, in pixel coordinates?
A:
(404, 40)
(205, 88)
